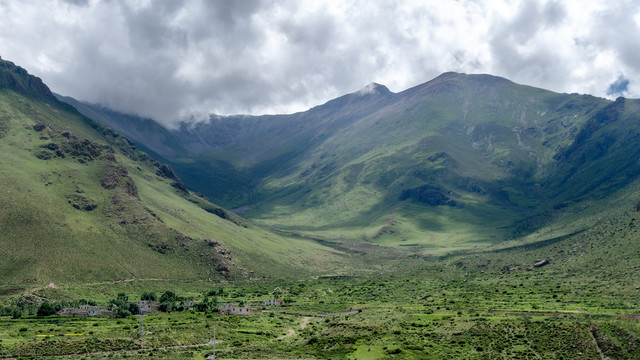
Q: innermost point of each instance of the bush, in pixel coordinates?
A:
(46, 309)
(17, 313)
(123, 313)
(201, 307)
(150, 296)
(134, 308)
(168, 296)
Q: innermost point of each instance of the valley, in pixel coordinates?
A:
(469, 217)
(460, 161)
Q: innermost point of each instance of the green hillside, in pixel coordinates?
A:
(458, 162)
(80, 203)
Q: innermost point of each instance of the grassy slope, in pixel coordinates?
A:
(141, 227)
(487, 143)
(46, 239)
(513, 157)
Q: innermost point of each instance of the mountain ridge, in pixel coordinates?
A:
(349, 167)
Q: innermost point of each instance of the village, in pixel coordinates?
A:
(150, 306)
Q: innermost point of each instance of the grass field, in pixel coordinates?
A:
(481, 304)
(389, 317)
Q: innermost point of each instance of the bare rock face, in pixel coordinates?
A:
(166, 171)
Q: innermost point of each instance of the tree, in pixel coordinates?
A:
(168, 296)
(122, 297)
(134, 308)
(123, 313)
(17, 313)
(5, 311)
(149, 296)
(201, 307)
(46, 309)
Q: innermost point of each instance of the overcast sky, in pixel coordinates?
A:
(171, 59)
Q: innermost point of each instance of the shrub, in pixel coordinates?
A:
(168, 296)
(123, 313)
(150, 296)
(17, 313)
(134, 308)
(46, 309)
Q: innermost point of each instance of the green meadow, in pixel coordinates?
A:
(477, 304)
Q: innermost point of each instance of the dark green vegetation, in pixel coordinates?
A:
(467, 218)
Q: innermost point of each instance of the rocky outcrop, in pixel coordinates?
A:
(166, 171)
(180, 186)
(541, 263)
(81, 202)
(224, 214)
(115, 176)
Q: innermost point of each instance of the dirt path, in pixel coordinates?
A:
(292, 332)
(305, 322)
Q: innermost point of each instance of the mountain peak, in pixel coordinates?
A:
(373, 89)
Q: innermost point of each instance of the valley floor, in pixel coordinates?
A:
(422, 317)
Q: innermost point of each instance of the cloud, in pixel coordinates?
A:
(171, 60)
(618, 87)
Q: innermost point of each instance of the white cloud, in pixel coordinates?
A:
(171, 59)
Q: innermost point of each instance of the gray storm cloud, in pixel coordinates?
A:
(176, 60)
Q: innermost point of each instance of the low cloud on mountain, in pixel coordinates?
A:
(171, 60)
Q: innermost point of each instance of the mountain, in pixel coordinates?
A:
(81, 203)
(456, 162)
